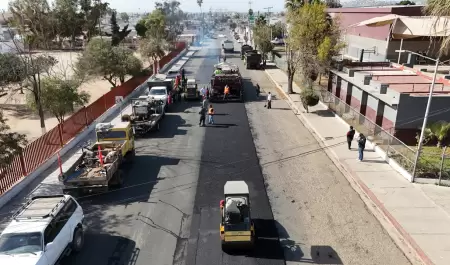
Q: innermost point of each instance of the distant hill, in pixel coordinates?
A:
(375, 3)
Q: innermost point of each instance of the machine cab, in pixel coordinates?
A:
(236, 226)
(121, 132)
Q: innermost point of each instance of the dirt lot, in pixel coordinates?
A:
(21, 119)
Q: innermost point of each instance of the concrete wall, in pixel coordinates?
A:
(371, 108)
(356, 43)
(356, 97)
(415, 45)
(411, 111)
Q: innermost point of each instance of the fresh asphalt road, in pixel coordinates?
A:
(167, 211)
(228, 153)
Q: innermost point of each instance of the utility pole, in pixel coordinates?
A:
(268, 15)
(249, 25)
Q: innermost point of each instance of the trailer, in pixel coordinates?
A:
(146, 114)
(98, 169)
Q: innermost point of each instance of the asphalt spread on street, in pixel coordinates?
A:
(228, 153)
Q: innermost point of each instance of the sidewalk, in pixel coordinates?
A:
(416, 216)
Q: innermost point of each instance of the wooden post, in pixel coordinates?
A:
(22, 163)
(86, 116)
(60, 130)
(442, 164)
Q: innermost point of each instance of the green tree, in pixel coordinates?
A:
(406, 3)
(309, 98)
(261, 20)
(10, 143)
(12, 70)
(140, 28)
(438, 131)
(262, 38)
(60, 96)
(278, 30)
(156, 25)
(34, 21)
(173, 16)
(125, 17)
(250, 12)
(117, 34)
(113, 63)
(153, 48)
(69, 21)
(315, 38)
(237, 16)
(233, 26)
(92, 12)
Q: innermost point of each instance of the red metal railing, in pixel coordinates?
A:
(40, 150)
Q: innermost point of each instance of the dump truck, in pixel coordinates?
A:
(252, 59)
(245, 48)
(236, 225)
(98, 169)
(191, 90)
(146, 114)
(228, 46)
(228, 75)
(161, 80)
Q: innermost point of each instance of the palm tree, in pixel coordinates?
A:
(440, 8)
(438, 130)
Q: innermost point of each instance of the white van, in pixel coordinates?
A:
(228, 46)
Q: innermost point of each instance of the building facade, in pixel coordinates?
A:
(392, 98)
(376, 41)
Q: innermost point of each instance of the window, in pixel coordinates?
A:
(157, 92)
(111, 135)
(20, 243)
(69, 208)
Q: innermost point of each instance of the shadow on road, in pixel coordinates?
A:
(105, 249)
(139, 181)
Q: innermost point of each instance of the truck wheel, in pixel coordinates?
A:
(78, 240)
(118, 180)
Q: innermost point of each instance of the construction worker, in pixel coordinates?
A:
(226, 92)
(211, 115)
(202, 116)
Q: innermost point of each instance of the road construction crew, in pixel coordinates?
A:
(226, 92)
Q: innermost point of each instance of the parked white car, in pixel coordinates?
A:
(44, 230)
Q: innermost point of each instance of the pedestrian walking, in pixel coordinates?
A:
(269, 100)
(202, 116)
(258, 90)
(211, 114)
(361, 146)
(350, 136)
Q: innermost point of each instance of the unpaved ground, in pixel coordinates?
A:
(321, 219)
(22, 120)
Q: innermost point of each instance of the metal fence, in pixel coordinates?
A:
(40, 150)
(393, 147)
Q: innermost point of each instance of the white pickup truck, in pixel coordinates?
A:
(44, 230)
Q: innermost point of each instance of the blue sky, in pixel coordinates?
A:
(189, 5)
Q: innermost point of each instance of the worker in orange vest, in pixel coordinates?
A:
(226, 91)
(211, 115)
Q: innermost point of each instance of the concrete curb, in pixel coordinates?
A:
(19, 186)
(403, 240)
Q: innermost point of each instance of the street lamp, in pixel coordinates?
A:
(427, 110)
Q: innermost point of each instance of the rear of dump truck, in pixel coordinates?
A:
(234, 82)
(253, 60)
